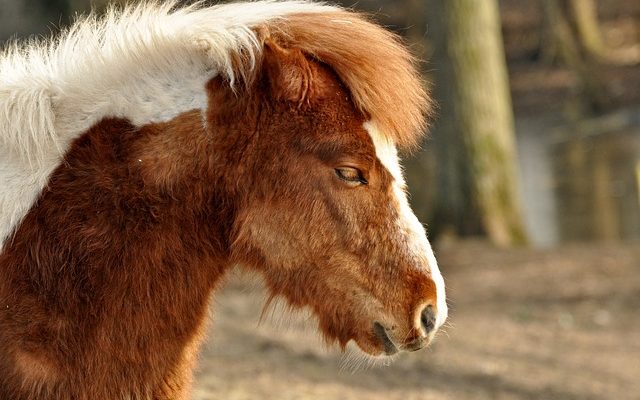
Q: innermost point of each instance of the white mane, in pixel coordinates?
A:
(146, 63)
(130, 60)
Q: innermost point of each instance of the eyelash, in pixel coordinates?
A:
(343, 174)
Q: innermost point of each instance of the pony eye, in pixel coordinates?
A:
(352, 176)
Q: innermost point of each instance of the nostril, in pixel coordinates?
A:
(428, 319)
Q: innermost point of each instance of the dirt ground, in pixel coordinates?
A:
(524, 324)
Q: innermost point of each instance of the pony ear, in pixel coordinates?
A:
(289, 73)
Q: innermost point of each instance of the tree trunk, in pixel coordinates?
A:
(568, 46)
(605, 210)
(638, 181)
(474, 136)
(559, 43)
(588, 29)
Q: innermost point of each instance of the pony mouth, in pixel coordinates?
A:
(390, 347)
(382, 335)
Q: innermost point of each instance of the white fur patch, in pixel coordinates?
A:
(409, 224)
(146, 64)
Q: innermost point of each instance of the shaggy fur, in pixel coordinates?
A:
(146, 64)
(149, 63)
(165, 146)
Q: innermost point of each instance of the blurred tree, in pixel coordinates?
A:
(474, 135)
(559, 43)
(585, 14)
(578, 45)
(572, 26)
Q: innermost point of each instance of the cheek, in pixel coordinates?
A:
(287, 233)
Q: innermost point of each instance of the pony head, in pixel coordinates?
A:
(323, 213)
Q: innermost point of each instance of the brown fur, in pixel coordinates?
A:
(105, 286)
(381, 75)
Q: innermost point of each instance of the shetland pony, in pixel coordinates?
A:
(145, 153)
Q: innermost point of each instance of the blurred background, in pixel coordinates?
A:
(529, 183)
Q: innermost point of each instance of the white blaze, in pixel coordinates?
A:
(388, 155)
